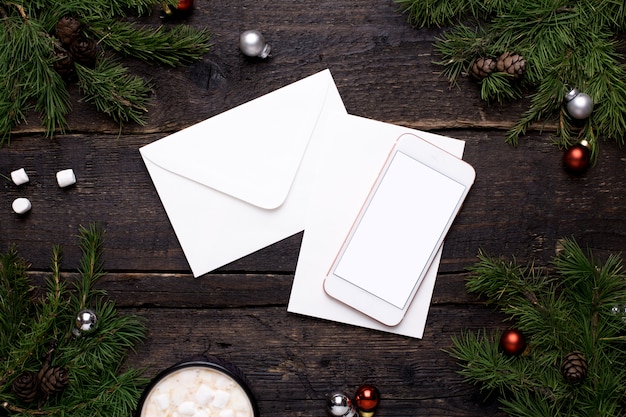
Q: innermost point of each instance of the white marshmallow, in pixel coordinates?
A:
(66, 178)
(21, 205)
(188, 408)
(19, 176)
(221, 399)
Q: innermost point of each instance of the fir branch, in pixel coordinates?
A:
(14, 295)
(173, 46)
(114, 91)
(97, 386)
(28, 48)
(91, 269)
(565, 44)
(575, 311)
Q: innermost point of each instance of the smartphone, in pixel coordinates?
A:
(399, 229)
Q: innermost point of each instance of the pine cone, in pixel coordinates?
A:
(512, 64)
(52, 379)
(25, 387)
(84, 51)
(67, 29)
(63, 63)
(574, 367)
(482, 67)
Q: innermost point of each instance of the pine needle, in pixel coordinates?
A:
(578, 307)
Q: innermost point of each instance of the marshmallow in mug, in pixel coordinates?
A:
(66, 178)
(19, 176)
(197, 392)
(21, 205)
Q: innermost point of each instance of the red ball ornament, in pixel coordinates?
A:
(366, 399)
(576, 159)
(512, 342)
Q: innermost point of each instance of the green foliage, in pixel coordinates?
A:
(566, 44)
(576, 308)
(29, 49)
(30, 325)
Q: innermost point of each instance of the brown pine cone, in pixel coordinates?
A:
(67, 29)
(512, 64)
(84, 51)
(63, 63)
(574, 367)
(25, 387)
(52, 379)
(482, 67)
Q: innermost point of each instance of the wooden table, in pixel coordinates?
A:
(522, 203)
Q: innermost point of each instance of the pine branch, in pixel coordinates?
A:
(98, 384)
(114, 91)
(174, 46)
(573, 310)
(14, 294)
(565, 44)
(30, 49)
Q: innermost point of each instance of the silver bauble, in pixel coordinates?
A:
(85, 323)
(579, 105)
(252, 44)
(339, 404)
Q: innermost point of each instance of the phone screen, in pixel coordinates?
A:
(399, 230)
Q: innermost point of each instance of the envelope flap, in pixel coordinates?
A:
(251, 152)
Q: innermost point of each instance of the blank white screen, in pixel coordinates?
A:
(400, 229)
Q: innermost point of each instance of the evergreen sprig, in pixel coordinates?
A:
(567, 44)
(29, 50)
(577, 305)
(31, 327)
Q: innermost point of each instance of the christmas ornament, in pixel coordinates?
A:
(579, 105)
(85, 323)
(576, 159)
(182, 9)
(512, 342)
(252, 44)
(512, 64)
(339, 405)
(482, 67)
(25, 387)
(574, 367)
(366, 399)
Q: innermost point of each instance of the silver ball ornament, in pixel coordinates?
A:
(579, 105)
(340, 405)
(252, 44)
(85, 322)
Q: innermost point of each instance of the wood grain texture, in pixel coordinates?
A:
(522, 203)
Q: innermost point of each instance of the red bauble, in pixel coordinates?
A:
(513, 342)
(184, 5)
(576, 159)
(366, 399)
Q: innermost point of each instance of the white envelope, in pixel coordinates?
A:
(240, 181)
(288, 161)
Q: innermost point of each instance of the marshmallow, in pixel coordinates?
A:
(19, 176)
(21, 205)
(66, 178)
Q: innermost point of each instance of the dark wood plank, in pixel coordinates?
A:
(293, 362)
(521, 204)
